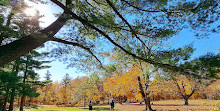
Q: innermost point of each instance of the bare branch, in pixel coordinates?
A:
(193, 91)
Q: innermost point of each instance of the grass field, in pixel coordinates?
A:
(163, 105)
(56, 108)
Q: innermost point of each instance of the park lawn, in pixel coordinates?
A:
(56, 108)
(174, 105)
(162, 105)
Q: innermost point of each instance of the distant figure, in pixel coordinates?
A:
(90, 106)
(112, 103)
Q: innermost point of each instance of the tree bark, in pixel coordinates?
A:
(22, 103)
(23, 96)
(186, 101)
(16, 67)
(5, 100)
(145, 96)
(12, 99)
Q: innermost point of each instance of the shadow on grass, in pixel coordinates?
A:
(98, 108)
(174, 105)
(164, 104)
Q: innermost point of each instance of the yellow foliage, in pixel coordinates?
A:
(123, 85)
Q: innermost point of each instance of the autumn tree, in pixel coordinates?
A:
(123, 85)
(65, 91)
(204, 67)
(207, 71)
(81, 91)
(52, 94)
(46, 85)
(162, 88)
(95, 91)
(91, 21)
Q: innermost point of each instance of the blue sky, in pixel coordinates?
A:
(185, 37)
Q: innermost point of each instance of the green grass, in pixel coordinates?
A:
(55, 108)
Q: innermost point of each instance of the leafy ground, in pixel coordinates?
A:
(163, 105)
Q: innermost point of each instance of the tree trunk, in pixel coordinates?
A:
(18, 102)
(23, 96)
(12, 99)
(145, 96)
(1, 39)
(30, 100)
(45, 94)
(22, 103)
(186, 101)
(5, 102)
(148, 105)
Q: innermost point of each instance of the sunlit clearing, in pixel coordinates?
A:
(30, 12)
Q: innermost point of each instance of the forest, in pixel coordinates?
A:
(126, 48)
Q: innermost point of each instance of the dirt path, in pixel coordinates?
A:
(136, 107)
(170, 106)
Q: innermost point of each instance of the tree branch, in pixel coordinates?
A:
(147, 10)
(180, 91)
(167, 66)
(123, 19)
(18, 48)
(193, 91)
(78, 45)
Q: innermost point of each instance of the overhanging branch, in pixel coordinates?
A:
(149, 10)
(78, 45)
(18, 48)
(167, 66)
(123, 19)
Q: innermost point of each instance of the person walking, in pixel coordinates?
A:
(112, 104)
(90, 106)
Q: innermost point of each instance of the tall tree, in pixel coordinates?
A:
(47, 85)
(157, 19)
(8, 82)
(29, 65)
(65, 91)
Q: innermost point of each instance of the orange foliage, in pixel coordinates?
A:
(124, 85)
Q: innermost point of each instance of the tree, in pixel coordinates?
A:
(185, 89)
(47, 85)
(123, 85)
(48, 76)
(205, 69)
(81, 90)
(9, 80)
(65, 91)
(98, 19)
(29, 64)
(17, 85)
(95, 19)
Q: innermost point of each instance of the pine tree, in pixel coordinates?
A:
(29, 75)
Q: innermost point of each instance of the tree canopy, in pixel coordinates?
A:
(128, 25)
